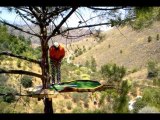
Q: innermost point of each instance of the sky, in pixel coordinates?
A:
(72, 22)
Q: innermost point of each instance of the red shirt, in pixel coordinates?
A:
(57, 54)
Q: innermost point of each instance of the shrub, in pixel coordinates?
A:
(3, 78)
(87, 64)
(93, 64)
(26, 81)
(69, 105)
(148, 109)
(152, 69)
(157, 37)
(139, 104)
(18, 63)
(121, 51)
(77, 110)
(84, 96)
(151, 96)
(134, 70)
(86, 105)
(75, 97)
(9, 97)
(149, 39)
(102, 98)
(156, 82)
(10, 94)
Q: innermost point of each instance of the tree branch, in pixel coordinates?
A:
(20, 57)
(61, 23)
(17, 28)
(20, 72)
(116, 8)
(73, 28)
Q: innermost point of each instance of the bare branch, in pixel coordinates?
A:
(75, 37)
(20, 72)
(34, 14)
(83, 19)
(17, 28)
(73, 28)
(61, 23)
(20, 57)
(25, 22)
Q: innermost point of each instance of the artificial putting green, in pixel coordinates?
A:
(77, 84)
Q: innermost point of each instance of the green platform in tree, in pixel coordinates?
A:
(71, 86)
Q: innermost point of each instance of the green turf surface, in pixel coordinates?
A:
(85, 84)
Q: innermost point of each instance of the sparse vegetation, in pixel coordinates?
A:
(148, 109)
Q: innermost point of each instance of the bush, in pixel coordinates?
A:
(10, 94)
(102, 98)
(151, 96)
(157, 37)
(76, 97)
(9, 97)
(152, 69)
(26, 81)
(156, 82)
(93, 64)
(69, 105)
(121, 51)
(139, 104)
(77, 110)
(149, 39)
(18, 63)
(3, 78)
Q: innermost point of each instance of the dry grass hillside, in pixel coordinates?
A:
(133, 52)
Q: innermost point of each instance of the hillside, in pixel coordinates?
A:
(133, 52)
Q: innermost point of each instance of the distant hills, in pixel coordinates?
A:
(59, 38)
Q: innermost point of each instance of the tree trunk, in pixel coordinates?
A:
(48, 106)
(45, 76)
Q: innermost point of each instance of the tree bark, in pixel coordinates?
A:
(45, 74)
(48, 109)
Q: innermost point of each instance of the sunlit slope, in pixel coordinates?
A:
(134, 51)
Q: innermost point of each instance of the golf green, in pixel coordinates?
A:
(78, 84)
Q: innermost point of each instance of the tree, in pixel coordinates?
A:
(93, 64)
(46, 19)
(113, 73)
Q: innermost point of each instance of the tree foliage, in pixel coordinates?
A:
(113, 72)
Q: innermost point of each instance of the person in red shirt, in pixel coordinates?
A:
(57, 53)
